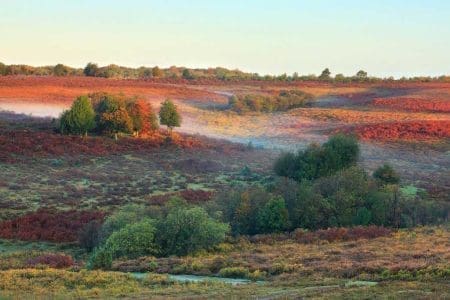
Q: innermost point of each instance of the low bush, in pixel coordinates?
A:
(49, 225)
(57, 261)
(234, 272)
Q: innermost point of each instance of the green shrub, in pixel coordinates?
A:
(101, 258)
(80, 119)
(273, 217)
(134, 240)
(186, 230)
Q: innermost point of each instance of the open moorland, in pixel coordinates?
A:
(74, 208)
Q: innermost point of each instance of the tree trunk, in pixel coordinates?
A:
(115, 136)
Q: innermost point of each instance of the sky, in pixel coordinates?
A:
(385, 38)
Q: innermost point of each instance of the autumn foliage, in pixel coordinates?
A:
(47, 225)
(408, 131)
(414, 104)
(53, 260)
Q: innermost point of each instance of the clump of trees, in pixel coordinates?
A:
(177, 229)
(339, 152)
(258, 103)
(108, 114)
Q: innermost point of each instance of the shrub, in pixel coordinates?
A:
(57, 261)
(186, 230)
(80, 119)
(338, 153)
(91, 69)
(386, 175)
(134, 240)
(128, 214)
(142, 116)
(101, 258)
(273, 217)
(112, 116)
(48, 225)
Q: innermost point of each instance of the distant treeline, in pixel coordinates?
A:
(218, 73)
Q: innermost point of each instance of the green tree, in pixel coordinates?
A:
(187, 74)
(133, 240)
(168, 115)
(386, 175)
(101, 258)
(2, 69)
(187, 230)
(91, 69)
(80, 119)
(325, 75)
(60, 70)
(361, 75)
(273, 217)
(128, 214)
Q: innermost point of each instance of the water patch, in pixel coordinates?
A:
(196, 278)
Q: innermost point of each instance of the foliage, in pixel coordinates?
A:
(186, 230)
(112, 116)
(273, 217)
(316, 161)
(91, 69)
(386, 175)
(61, 70)
(325, 75)
(101, 258)
(47, 225)
(80, 119)
(57, 261)
(168, 115)
(142, 116)
(258, 103)
(133, 240)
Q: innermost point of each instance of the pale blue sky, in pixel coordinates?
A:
(382, 37)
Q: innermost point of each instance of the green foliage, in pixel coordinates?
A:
(386, 175)
(258, 103)
(273, 217)
(101, 258)
(234, 272)
(187, 74)
(2, 69)
(157, 72)
(61, 70)
(133, 240)
(169, 115)
(316, 161)
(325, 75)
(126, 215)
(80, 119)
(91, 69)
(186, 230)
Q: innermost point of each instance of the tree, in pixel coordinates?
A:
(126, 215)
(386, 175)
(361, 75)
(325, 75)
(80, 119)
(187, 74)
(168, 115)
(186, 230)
(157, 72)
(142, 116)
(60, 70)
(89, 235)
(133, 240)
(91, 69)
(112, 116)
(273, 217)
(2, 69)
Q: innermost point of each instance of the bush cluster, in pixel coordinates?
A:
(108, 114)
(176, 230)
(258, 103)
(339, 152)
